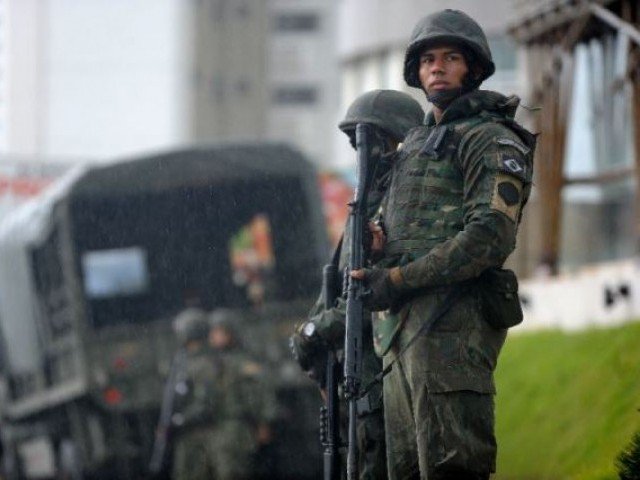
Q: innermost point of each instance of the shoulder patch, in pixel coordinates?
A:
(507, 196)
(514, 165)
(512, 143)
(509, 193)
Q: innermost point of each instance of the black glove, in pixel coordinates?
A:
(311, 354)
(382, 294)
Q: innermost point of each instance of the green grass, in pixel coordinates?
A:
(567, 403)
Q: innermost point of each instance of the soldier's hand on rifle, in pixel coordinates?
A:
(384, 286)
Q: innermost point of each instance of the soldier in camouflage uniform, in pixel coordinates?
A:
(197, 400)
(394, 114)
(454, 203)
(248, 407)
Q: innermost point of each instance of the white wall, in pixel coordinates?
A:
(579, 300)
(24, 31)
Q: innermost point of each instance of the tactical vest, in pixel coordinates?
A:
(424, 204)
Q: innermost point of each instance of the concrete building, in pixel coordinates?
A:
(303, 75)
(98, 79)
(3, 74)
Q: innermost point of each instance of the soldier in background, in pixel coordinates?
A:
(393, 114)
(198, 398)
(248, 407)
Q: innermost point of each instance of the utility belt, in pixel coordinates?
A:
(497, 287)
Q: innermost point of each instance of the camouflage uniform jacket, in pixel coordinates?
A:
(227, 399)
(248, 396)
(198, 396)
(452, 210)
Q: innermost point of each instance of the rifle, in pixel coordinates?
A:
(176, 374)
(330, 414)
(369, 149)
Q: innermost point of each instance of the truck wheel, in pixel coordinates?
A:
(11, 463)
(70, 467)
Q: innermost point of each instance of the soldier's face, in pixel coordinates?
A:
(219, 338)
(442, 68)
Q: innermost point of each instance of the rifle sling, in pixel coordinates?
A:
(451, 298)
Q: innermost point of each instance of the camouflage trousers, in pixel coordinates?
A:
(221, 453)
(371, 446)
(435, 435)
(370, 426)
(372, 462)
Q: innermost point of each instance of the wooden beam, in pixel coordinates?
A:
(536, 27)
(563, 93)
(609, 176)
(551, 181)
(576, 29)
(616, 22)
(636, 128)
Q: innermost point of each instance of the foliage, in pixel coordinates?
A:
(628, 462)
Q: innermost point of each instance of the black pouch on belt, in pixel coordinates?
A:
(498, 289)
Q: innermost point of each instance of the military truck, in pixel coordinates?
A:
(93, 272)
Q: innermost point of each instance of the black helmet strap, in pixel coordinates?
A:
(443, 98)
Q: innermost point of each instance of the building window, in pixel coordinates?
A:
(297, 22)
(295, 95)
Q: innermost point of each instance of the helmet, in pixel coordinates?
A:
(191, 324)
(393, 112)
(225, 318)
(449, 27)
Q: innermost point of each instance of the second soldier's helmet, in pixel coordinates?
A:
(226, 319)
(448, 27)
(191, 324)
(393, 112)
